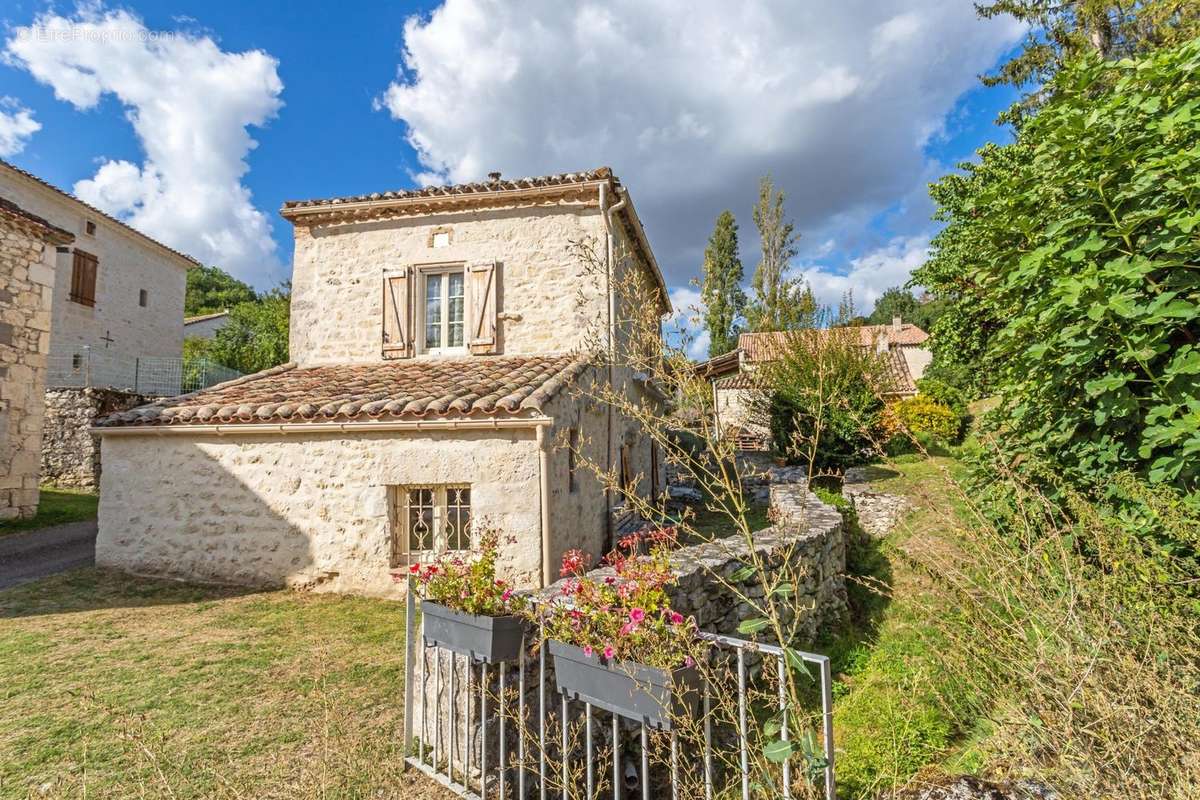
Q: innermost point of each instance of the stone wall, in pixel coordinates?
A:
(26, 289)
(305, 510)
(70, 453)
(877, 512)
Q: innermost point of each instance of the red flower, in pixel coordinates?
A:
(574, 562)
(629, 541)
(415, 569)
(675, 617)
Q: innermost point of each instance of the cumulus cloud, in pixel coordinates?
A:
(869, 275)
(685, 328)
(16, 126)
(190, 104)
(691, 103)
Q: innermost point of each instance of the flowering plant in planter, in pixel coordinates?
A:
(625, 616)
(467, 584)
(466, 608)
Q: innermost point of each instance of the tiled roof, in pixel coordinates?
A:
(402, 389)
(742, 380)
(900, 380)
(204, 317)
(95, 210)
(719, 365)
(480, 187)
(760, 346)
(48, 230)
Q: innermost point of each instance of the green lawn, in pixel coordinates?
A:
(119, 687)
(56, 507)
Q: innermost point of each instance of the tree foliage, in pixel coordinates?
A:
(1061, 31)
(780, 302)
(901, 302)
(212, 289)
(256, 336)
(1071, 258)
(724, 300)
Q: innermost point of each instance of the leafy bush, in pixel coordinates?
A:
(941, 392)
(1070, 259)
(921, 416)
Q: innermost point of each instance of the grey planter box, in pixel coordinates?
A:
(644, 694)
(490, 639)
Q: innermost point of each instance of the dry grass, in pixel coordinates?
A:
(117, 687)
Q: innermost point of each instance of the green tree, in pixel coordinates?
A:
(1071, 259)
(780, 303)
(256, 336)
(1063, 30)
(212, 289)
(900, 302)
(724, 300)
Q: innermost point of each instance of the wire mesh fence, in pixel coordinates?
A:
(159, 376)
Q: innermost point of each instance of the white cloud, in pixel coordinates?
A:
(870, 275)
(692, 102)
(190, 104)
(16, 126)
(686, 328)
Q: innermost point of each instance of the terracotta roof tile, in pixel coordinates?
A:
(759, 346)
(407, 389)
(47, 230)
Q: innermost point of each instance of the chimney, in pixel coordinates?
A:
(896, 323)
(494, 177)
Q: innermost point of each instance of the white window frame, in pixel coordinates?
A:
(403, 552)
(423, 274)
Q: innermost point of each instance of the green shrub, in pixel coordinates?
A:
(941, 392)
(921, 416)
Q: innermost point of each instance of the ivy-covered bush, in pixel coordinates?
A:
(1073, 261)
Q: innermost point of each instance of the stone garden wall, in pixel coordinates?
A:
(70, 454)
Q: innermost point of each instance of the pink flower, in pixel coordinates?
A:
(636, 616)
(626, 629)
(608, 651)
(414, 569)
(689, 662)
(587, 650)
(507, 594)
(675, 617)
(610, 580)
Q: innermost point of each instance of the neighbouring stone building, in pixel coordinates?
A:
(736, 399)
(440, 345)
(27, 256)
(116, 322)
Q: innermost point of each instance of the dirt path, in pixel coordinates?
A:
(36, 554)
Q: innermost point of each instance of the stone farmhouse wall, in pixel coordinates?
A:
(70, 452)
(128, 263)
(303, 510)
(26, 287)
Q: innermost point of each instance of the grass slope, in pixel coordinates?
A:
(119, 687)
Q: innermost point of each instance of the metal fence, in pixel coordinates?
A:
(148, 375)
(524, 756)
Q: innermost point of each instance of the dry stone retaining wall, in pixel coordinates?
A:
(70, 453)
(877, 512)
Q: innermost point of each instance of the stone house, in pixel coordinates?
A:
(27, 259)
(204, 326)
(735, 398)
(438, 386)
(116, 320)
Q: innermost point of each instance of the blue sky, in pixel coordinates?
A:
(853, 108)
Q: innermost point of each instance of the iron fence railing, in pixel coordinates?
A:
(147, 375)
(449, 740)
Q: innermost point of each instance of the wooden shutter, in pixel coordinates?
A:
(83, 278)
(397, 314)
(482, 280)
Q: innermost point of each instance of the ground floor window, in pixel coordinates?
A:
(428, 520)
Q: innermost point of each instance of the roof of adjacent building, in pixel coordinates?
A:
(91, 208)
(761, 346)
(47, 230)
(472, 196)
(899, 379)
(394, 390)
(204, 317)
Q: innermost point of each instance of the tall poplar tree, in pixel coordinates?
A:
(724, 300)
(780, 303)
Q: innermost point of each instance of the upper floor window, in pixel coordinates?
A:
(83, 278)
(89, 227)
(444, 309)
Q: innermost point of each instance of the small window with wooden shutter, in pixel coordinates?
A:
(397, 314)
(483, 278)
(83, 278)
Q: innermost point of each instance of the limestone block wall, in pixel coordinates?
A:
(70, 453)
(128, 263)
(305, 510)
(26, 290)
(546, 302)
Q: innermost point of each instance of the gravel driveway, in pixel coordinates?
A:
(36, 554)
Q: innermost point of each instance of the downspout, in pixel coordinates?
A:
(606, 212)
(544, 476)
